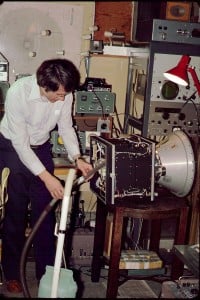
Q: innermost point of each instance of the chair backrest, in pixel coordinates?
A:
(3, 190)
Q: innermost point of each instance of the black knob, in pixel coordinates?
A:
(165, 116)
(194, 291)
(181, 116)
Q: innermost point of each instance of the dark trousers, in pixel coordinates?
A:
(25, 188)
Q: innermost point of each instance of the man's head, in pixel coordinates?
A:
(58, 75)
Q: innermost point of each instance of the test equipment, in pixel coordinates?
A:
(167, 104)
(4, 68)
(135, 164)
(95, 102)
(124, 174)
(58, 148)
(95, 97)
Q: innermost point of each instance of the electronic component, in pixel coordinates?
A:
(82, 247)
(129, 168)
(3, 71)
(184, 288)
(4, 68)
(176, 31)
(85, 130)
(58, 146)
(95, 84)
(168, 105)
(4, 86)
(96, 46)
(82, 141)
(101, 102)
(103, 125)
(134, 164)
(88, 135)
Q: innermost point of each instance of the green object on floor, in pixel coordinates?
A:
(67, 287)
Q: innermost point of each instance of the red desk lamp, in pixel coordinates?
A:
(179, 74)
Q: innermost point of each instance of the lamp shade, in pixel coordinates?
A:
(179, 74)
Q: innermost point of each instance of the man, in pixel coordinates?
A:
(34, 106)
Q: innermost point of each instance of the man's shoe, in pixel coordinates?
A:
(14, 286)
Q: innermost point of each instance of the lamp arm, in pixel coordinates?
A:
(195, 78)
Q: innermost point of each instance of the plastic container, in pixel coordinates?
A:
(67, 287)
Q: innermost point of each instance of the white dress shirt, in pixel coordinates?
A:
(29, 118)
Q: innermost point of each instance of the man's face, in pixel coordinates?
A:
(58, 95)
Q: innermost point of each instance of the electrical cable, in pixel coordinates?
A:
(118, 120)
(47, 209)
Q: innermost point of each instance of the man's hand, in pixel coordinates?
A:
(84, 167)
(52, 184)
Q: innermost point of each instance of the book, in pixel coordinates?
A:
(139, 259)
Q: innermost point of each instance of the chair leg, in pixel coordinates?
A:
(99, 238)
(180, 239)
(1, 274)
(115, 252)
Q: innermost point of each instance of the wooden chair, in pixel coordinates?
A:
(3, 199)
(164, 207)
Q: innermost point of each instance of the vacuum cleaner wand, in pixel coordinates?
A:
(80, 180)
(36, 227)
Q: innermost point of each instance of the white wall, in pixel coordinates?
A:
(21, 24)
(22, 32)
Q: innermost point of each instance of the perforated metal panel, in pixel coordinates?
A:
(162, 114)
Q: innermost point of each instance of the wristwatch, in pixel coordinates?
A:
(79, 157)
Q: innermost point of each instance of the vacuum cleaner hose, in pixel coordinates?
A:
(45, 212)
(27, 245)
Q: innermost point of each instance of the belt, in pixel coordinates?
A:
(39, 146)
(35, 146)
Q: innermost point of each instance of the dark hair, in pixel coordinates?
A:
(55, 72)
